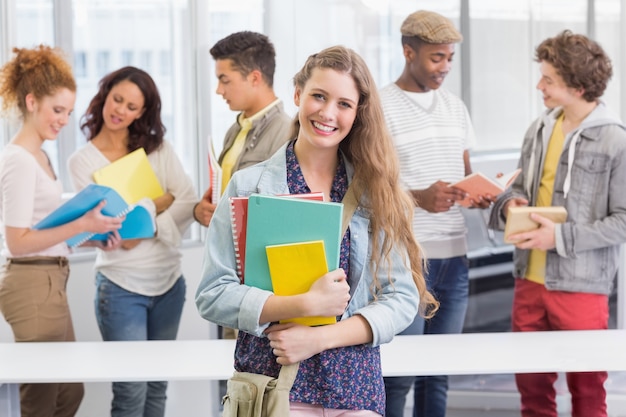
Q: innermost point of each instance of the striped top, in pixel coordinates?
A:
(430, 143)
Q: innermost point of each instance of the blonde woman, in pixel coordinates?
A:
(339, 139)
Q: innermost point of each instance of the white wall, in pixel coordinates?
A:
(185, 398)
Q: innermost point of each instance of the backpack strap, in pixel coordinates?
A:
(349, 206)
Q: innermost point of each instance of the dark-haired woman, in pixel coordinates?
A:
(140, 290)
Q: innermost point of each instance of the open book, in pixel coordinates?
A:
(478, 184)
(518, 219)
(139, 222)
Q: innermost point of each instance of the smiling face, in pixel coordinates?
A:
(327, 107)
(123, 105)
(50, 114)
(553, 88)
(428, 66)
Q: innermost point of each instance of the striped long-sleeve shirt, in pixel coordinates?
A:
(430, 142)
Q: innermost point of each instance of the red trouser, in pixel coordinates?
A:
(537, 309)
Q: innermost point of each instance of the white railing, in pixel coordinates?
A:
(480, 353)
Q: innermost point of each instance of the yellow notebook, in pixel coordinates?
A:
(131, 176)
(294, 267)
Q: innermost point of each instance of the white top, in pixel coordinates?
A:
(28, 195)
(153, 266)
(430, 143)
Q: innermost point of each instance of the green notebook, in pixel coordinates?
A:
(274, 220)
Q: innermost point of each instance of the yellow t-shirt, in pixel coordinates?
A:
(536, 270)
(231, 156)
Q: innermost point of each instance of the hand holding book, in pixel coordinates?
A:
(519, 221)
(478, 185)
(204, 209)
(301, 268)
(135, 224)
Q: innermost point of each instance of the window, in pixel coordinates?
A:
(610, 35)
(34, 26)
(127, 58)
(145, 61)
(80, 64)
(171, 40)
(103, 63)
(165, 63)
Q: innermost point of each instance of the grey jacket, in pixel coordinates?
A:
(589, 183)
(267, 134)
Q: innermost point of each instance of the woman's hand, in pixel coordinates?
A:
(95, 222)
(163, 202)
(113, 242)
(329, 295)
(292, 342)
(129, 244)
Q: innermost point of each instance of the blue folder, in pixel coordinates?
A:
(86, 200)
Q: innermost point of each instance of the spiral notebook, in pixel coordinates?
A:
(81, 203)
(239, 222)
(275, 220)
(140, 223)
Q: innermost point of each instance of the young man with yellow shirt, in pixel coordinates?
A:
(244, 66)
(574, 155)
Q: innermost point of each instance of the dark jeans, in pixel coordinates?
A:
(448, 280)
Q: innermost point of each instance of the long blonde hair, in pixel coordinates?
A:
(370, 149)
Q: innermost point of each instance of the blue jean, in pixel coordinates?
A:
(123, 315)
(448, 280)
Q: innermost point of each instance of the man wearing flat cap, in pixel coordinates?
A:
(432, 132)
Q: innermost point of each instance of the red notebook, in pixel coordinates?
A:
(239, 222)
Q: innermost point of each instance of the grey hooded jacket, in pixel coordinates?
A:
(590, 183)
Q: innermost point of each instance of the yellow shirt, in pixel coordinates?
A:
(536, 270)
(231, 156)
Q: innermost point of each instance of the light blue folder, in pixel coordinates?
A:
(274, 220)
(134, 226)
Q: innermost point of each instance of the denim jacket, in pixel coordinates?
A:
(221, 299)
(589, 183)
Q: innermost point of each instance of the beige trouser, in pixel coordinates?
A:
(34, 302)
